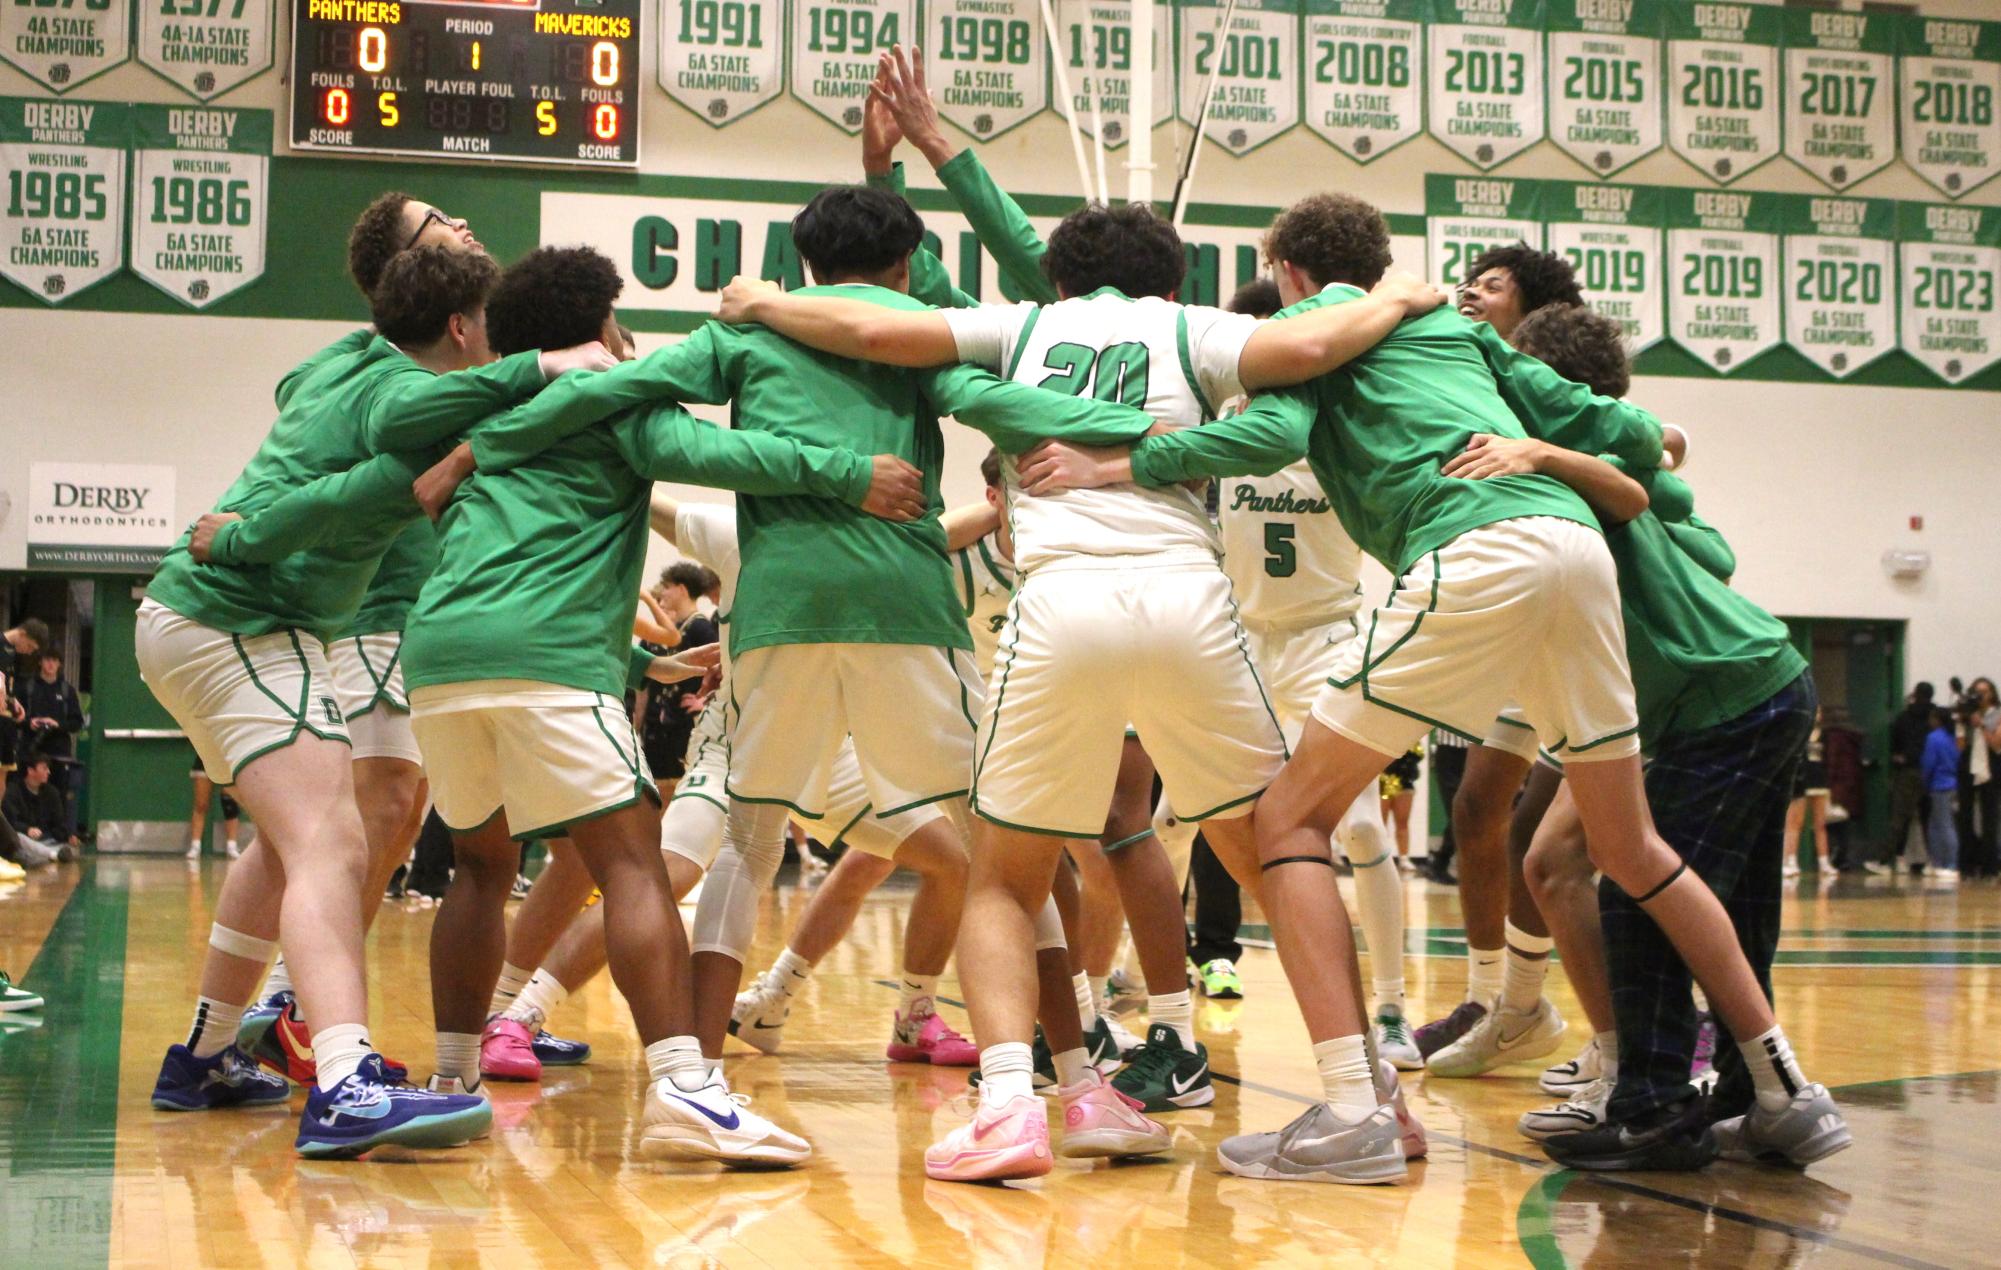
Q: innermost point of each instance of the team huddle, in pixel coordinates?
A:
(420, 590)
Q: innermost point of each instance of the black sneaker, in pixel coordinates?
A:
(1676, 1139)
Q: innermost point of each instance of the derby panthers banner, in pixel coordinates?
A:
(1840, 122)
(60, 47)
(722, 59)
(1096, 37)
(1723, 274)
(1365, 74)
(1255, 65)
(1483, 95)
(1605, 81)
(200, 178)
(834, 45)
(1723, 86)
(1611, 235)
(207, 46)
(1949, 87)
(63, 230)
(1467, 215)
(987, 62)
(1948, 260)
(1841, 302)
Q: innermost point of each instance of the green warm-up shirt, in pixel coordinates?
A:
(816, 571)
(1378, 430)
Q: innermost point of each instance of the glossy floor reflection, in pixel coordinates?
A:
(1889, 991)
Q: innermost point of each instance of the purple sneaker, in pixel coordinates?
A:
(1705, 1045)
(1436, 1035)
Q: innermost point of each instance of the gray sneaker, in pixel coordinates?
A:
(1809, 1128)
(1318, 1147)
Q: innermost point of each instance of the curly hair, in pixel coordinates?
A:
(421, 288)
(1580, 344)
(696, 579)
(377, 236)
(1542, 277)
(855, 231)
(553, 297)
(1257, 298)
(1334, 238)
(1129, 247)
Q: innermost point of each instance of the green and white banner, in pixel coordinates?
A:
(64, 224)
(1098, 53)
(1466, 215)
(1841, 303)
(723, 59)
(201, 180)
(1255, 65)
(1364, 74)
(988, 63)
(1949, 84)
(1840, 122)
(834, 46)
(1949, 260)
(62, 43)
(1723, 274)
(1483, 87)
(1611, 235)
(1723, 86)
(1605, 81)
(207, 46)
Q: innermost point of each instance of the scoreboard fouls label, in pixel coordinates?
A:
(536, 81)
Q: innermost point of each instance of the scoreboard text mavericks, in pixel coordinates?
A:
(537, 81)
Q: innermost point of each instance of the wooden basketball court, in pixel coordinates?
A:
(1887, 986)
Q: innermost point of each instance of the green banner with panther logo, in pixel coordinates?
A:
(1723, 86)
(1364, 74)
(1948, 260)
(64, 225)
(1483, 95)
(1841, 301)
(1723, 274)
(200, 179)
(1841, 124)
(1605, 81)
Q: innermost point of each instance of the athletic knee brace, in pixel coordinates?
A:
(1049, 927)
(238, 944)
(753, 848)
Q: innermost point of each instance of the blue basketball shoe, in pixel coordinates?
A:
(365, 1111)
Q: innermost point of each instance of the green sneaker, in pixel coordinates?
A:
(1045, 1066)
(1163, 1076)
(1105, 1045)
(1220, 982)
(13, 998)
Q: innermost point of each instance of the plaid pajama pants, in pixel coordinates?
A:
(1719, 798)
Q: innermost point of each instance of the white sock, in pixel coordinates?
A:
(1098, 983)
(1007, 1072)
(791, 971)
(280, 978)
(914, 997)
(1526, 966)
(233, 849)
(1483, 974)
(1087, 1003)
(512, 980)
(1073, 1066)
(1175, 1010)
(339, 1050)
(679, 1059)
(538, 1000)
(214, 1028)
(1608, 1055)
(1346, 1081)
(1774, 1070)
(458, 1055)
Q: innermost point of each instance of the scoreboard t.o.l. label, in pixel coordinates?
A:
(528, 81)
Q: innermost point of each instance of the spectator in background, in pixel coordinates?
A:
(55, 715)
(1399, 791)
(205, 793)
(1940, 767)
(1907, 783)
(1448, 767)
(667, 711)
(1980, 784)
(34, 808)
(1810, 793)
(17, 643)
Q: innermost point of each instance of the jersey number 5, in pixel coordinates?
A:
(1281, 557)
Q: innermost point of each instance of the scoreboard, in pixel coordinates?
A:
(531, 81)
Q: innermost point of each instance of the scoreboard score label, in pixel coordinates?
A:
(531, 81)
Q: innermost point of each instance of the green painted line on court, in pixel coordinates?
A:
(1888, 957)
(1535, 1221)
(1970, 936)
(59, 1087)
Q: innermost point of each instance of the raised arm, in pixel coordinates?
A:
(845, 328)
(324, 511)
(666, 443)
(691, 370)
(353, 342)
(1569, 414)
(1280, 354)
(1015, 416)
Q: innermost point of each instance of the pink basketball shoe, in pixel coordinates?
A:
(934, 1042)
(507, 1051)
(998, 1143)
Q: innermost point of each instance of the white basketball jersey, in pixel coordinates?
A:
(707, 535)
(985, 580)
(1176, 362)
(1290, 562)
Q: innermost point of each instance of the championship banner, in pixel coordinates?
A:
(200, 199)
(1611, 235)
(834, 46)
(988, 63)
(1466, 215)
(1723, 274)
(1949, 80)
(60, 48)
(1841, 302)
(1255, 64)
(1483, 91)
(64, 228)
(1840, 122)
(207, 46)
(1097, 41)
(1723, 86)
(1948, 259)
(1364, 86)
(722, 59)
(1605, 81)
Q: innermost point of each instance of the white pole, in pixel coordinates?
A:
(1186, 184)
(1066, 103)
(1139, 157)
(1098, 138)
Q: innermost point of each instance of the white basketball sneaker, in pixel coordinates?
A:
(711, 1123)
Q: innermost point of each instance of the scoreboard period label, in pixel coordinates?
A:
(63, 230)
(201, 179)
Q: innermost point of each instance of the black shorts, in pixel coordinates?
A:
(667, 750)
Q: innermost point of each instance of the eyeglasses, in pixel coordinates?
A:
(432, 217)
